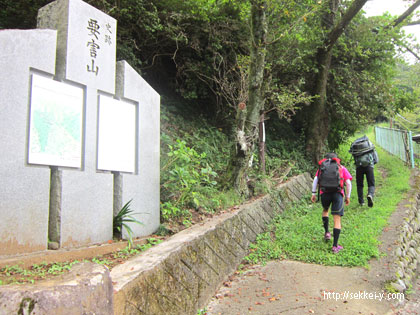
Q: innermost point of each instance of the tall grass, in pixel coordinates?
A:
(298, 232)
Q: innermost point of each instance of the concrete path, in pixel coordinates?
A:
(289, 287)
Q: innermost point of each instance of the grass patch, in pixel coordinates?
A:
(19, 275)
(297, 233)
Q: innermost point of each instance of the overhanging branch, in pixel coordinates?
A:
(403, 16)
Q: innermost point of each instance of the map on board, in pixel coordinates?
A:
(56, 122)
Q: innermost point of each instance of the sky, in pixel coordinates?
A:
(377, 7)
(394, 7)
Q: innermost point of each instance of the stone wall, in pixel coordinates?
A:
(407, 252)
(178, 276)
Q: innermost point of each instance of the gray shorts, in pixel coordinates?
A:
(335, 200)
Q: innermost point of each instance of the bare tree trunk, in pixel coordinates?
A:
(248, 116)
(319, 126)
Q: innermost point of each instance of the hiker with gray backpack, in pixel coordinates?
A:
(365, 158)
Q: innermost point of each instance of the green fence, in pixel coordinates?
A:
(416, 152)
(399, 143)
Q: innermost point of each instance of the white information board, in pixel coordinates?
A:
(56, 123)
(117, 134)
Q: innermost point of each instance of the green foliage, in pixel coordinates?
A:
(407, 113)
(202, 311)
(18, 275)
(285, 147)
(297, 233)
(192, 168)
(360, 86)
(187, 177)
(122, 220)
(20, 14)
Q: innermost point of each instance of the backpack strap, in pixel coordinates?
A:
(321, 161)
(319, 174)
(341, 172)
(337, 160)
(319, 187)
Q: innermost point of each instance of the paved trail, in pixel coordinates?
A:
(289, 287)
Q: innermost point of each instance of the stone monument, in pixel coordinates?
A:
(80, 133)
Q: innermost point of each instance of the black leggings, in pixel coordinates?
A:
(361, 171)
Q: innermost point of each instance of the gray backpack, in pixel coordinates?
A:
(364, 160)
(364, 152)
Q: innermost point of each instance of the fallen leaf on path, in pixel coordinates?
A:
(259, 303)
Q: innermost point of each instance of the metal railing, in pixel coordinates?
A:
(416, 152)
(399, 143)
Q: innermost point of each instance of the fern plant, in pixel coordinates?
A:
(121, 220)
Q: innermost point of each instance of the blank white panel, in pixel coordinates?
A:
(116, 135)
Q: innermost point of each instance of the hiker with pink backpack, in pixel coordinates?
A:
(330, 179)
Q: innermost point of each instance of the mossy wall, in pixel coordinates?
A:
(180, 275)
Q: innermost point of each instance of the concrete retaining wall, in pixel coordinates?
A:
(86, 290)
(180, 275)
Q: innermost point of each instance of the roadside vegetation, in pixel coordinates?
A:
(17, 274)
(298, 233)
(194, 159)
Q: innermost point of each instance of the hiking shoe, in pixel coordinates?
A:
(362, 204)
(327, 236)
(370, 201)
(336, 249)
